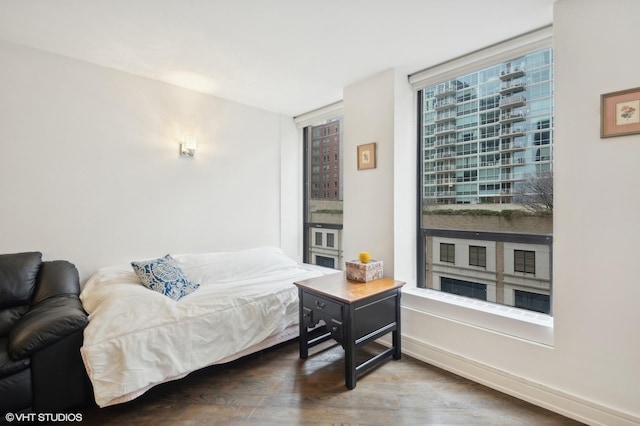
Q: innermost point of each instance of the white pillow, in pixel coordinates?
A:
(238, 265)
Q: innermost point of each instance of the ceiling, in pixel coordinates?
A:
(286, 56)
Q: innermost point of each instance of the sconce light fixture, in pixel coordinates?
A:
(188, 147)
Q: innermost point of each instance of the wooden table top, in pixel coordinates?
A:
(337, 286)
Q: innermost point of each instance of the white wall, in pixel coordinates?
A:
(590, 371)
(90, 172)
(596, 288)
(368, 194)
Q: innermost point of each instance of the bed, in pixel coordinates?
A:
(138, 338)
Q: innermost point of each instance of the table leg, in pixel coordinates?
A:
(304, 335)
(396, 336)
(350, 365)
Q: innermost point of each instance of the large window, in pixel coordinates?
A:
(486, 179)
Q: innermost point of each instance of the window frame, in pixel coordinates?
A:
(305, 122)
(514, 322)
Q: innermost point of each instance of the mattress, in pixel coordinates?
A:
(137, 338)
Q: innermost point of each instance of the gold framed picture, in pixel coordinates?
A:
(367, 156)
(620, 113)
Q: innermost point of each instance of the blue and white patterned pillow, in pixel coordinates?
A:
(164, 276)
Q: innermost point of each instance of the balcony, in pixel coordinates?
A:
(510, 87)
(512, 101)
(445, 128)
(444, 103)
(512, 116)
(445, 89)
(449, 181)
(510, 72)
(445, 168)
(444, 140)
(505, 147)
(512, 131)
(443, 115)
(446, 154)
(512, 162)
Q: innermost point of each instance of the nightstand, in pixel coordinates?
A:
(353, 314)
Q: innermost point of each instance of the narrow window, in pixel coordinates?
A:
(524, 261)
(323, 189)
(478, 256)
(330, 240)
(447, 253)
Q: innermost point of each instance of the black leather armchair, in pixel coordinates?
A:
(41, 326)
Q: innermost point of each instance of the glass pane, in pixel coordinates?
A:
(487, 181)
(323, 193)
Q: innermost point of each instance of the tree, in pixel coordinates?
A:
(536, 193)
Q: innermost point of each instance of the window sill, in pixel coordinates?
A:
(519, 323)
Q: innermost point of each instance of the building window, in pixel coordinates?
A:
(447, 253)
(325, 261)
(478, 256)
(464, 288)
(532, 301)
(330, 240)
(524, 261)
(318, 238)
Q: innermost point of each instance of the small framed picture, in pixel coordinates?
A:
(367, 156)
(620, 113)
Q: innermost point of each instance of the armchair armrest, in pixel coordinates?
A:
(45, 323)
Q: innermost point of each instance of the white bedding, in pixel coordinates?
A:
(137, 338)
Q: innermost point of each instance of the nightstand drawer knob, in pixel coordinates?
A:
(320, 304)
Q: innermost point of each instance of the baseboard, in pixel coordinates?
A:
(554, 400)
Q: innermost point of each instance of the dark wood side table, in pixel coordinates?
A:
(354, 314)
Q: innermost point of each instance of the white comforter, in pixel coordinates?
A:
(137, 338)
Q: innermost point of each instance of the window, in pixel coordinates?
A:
(464, 288)
(532, 301)
(486, 173)
(447, 253)
(478, 256)
(524, 261)
(325, 261)
(321, 138)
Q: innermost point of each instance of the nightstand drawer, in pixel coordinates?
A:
(322, 305)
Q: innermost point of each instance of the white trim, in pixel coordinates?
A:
(555, 400)
(318, 115)
(500, 52)
(507, 320)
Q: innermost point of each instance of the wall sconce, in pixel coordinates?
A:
(188, 147)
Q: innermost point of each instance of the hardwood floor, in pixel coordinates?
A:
(275, 387)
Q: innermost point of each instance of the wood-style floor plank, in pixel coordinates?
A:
(275, 387)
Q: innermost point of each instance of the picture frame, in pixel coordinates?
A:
(367, 156)
(620, 113)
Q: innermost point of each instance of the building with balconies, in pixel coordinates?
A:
(489, 131)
